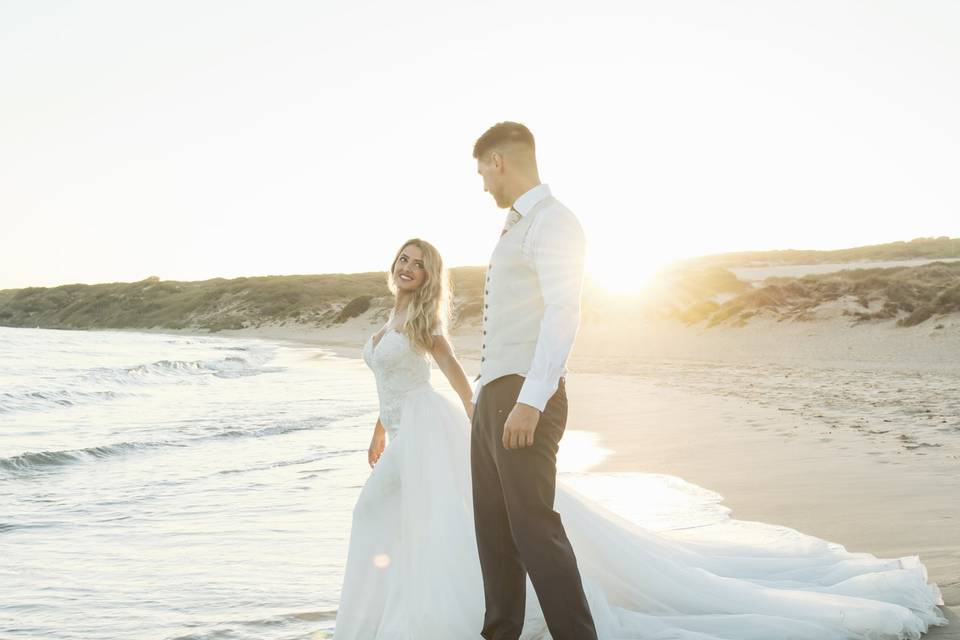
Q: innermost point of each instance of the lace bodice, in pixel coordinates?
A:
(398, 369)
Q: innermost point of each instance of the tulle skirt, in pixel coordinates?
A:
(413, 572)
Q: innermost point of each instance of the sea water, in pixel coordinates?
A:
(171, 486)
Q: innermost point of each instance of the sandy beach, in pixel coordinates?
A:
(851, 434)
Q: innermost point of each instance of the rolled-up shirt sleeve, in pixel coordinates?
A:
(557, 250)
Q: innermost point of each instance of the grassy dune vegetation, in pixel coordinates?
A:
(919, 248)
(907, 295)
(215, 304)
(698, 292)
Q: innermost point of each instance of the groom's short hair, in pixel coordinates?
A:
(500, 135)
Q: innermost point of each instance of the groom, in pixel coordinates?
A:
(531, 311)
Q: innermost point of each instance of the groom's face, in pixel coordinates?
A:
(491, 170)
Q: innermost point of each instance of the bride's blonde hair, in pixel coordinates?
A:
(429, 306)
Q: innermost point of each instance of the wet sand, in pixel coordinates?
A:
(851, 434)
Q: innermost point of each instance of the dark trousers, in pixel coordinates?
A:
(518, 532)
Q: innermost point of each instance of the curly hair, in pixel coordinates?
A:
(429, 306)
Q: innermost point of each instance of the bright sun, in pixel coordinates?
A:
(618, 274)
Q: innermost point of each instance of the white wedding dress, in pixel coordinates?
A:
(413, 572)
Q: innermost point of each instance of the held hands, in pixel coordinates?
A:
(377, 444)
(520, 426)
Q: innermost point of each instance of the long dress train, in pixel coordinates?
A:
(413, 573)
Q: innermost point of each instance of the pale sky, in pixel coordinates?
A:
(202, 139)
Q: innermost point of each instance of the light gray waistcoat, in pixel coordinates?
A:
(512, 304)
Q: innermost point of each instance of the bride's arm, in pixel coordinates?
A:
(378, 443)
(442, 352)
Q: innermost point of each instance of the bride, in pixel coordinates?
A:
(413, 571)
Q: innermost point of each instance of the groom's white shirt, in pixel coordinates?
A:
(554, 245)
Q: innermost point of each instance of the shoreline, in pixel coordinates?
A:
(831, 483)
(770, 465)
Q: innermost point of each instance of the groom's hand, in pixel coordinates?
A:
(520, 426)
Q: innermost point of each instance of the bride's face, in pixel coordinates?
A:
(408, 271)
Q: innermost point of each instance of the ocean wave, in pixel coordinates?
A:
(162, 370)
(31, 462)
(253, 628)
(109, 383)
(37, 400)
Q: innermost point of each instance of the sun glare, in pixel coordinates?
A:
(612, 272)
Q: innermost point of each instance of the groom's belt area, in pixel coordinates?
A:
(560, 383)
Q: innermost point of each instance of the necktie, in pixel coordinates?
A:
(512, 218)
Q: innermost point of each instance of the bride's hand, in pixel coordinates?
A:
(468, 407)
(377, 444)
